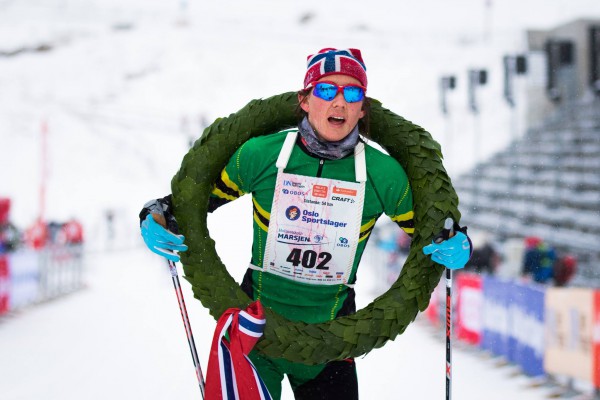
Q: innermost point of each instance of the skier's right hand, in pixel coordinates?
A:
(159, 229)
(160, 240)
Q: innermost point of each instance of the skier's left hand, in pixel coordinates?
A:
(452, 253)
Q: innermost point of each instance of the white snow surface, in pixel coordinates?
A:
(115, 88)
(122, 338)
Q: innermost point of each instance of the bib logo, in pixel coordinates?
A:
(320, 191)
(292, 213)
(343, 242)
(319, 238)
(292, 192)
(293, 184)
(344, 191)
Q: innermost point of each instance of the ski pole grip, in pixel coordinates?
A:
(160, 219)
(447, 232)
(449, 227)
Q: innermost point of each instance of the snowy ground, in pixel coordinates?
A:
(122, 87)
(122, 338)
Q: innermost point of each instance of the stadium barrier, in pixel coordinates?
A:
(545, 331)
(31, 276)
(569, 323)
(468, 308)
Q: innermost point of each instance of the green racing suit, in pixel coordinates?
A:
(252, 170)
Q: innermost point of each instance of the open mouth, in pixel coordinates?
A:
(337, 120)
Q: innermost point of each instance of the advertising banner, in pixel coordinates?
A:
(526, 339)
(469, 308)
(569, 315)
(596, 338)
(4, 284)
(24, 278)
(496, 317)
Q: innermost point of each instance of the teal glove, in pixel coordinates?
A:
(452, 253)
(161, 241)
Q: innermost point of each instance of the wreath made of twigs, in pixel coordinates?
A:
(350, 336)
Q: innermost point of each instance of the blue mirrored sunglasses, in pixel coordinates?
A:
(328, 90)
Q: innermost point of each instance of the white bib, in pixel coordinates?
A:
(315, 223)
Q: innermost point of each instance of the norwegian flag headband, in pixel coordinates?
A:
(331, 61)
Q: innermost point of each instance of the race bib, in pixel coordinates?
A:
(314, 229)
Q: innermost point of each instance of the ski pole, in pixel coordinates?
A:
(184, 315)
(447, 233)
(187, 326)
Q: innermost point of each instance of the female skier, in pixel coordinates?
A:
(317, 191)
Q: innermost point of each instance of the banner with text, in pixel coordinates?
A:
(469, 307)
(496, 317)
(569, 315)
(4, 284)
(526, 339)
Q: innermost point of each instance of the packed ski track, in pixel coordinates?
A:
(122, 337)
(122, 88)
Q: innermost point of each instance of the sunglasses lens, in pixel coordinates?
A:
(328, 91)
(352, 94)
(325, 91)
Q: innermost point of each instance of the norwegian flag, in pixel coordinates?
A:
(230, 374)
(331, 61)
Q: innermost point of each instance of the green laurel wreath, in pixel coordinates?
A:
(351, 336)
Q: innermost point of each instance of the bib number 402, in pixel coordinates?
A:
(308, 258)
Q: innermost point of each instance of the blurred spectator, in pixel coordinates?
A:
(4, 210)
(71, 232)
(54, 229)
(398, 252)
(36, 236)
(10, 236)
(390, 245)
(538, 261)
(403, 242)
(484, 260)
(385, 237)
(110, 224)
(41, 234)
(564, 269)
